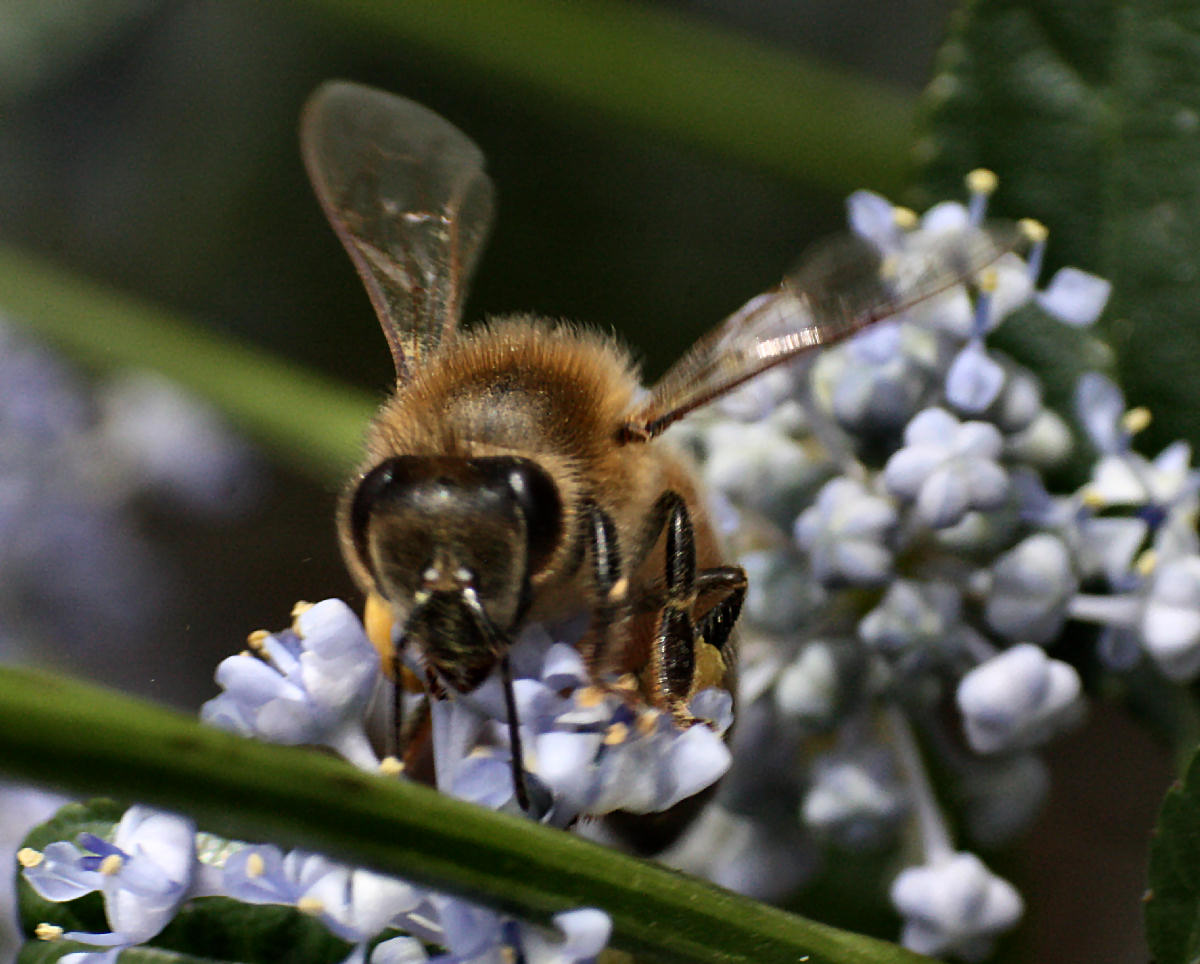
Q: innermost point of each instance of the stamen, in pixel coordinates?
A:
(254, 642)
(617, 733)
(313, 906)
(1036, 233)
(1146, 563)
(299, 610)
(255, 866)
(1136, 419)
(47, 932)
(111, 865)
(981, 183)
(391, 766)
(906, 218)
(28, 857)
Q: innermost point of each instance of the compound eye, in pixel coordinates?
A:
(536, 496)
(376, 487)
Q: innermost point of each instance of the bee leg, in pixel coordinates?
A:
(514, 736)
(673, 655)
(612, 587)
(716, 625)
(398, 699)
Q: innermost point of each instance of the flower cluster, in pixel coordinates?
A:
(153, 865)
(75, 458)
(910, 573)
(589, 750)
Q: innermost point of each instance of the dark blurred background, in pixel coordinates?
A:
(152, 146)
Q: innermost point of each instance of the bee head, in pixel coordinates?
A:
(452, 544)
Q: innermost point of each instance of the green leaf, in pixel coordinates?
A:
(88, 740)
(1172, 905)
(42, 952)
(1090, 114)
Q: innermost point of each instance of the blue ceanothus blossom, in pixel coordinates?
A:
(910, 574)
(908, 571)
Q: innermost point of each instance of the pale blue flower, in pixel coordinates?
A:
(947, 468)
(309, 684)
(845, 534)
(954, 906)
(1018, 699)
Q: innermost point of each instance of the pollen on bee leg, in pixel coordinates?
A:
(28, 857)
(391, 766)
(377, 621)
(589, 696)
(47, 932)
(619, 590)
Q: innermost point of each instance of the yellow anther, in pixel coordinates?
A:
(28, 857)
(111, 865)
(255, 866)
(313, 906)
(989, 280)
(1092, 499)
(617, 733)
(300, 609)
(391, 766)
(905, 218)
(1146, 563)
(647, 722)
(982, 181)
(1136, 419)
(1034, 230)
(47, 932)
(256, 639)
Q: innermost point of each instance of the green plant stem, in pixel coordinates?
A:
(87, 740)
(312, 422)
(669, 74)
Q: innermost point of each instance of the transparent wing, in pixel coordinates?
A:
(406, 193)
(843, 285)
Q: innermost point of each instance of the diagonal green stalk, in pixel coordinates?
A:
(312, 422)
(87, 740)
(668, 74)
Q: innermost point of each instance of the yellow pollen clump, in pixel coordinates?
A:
(390, 766)
(47, 932)
(255, 866)
(111, 865)
(906, 218)
(311, 906)
(982, 181)
(589, 696)
(617, 733)
(647, 722)
(256, 639)
(1034, 230)
(1136, 419)
(28, 857)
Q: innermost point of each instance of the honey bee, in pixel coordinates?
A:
(514, 475)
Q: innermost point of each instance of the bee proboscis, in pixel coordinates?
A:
(515, 470)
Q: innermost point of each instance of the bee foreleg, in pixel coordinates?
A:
(514, 736)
